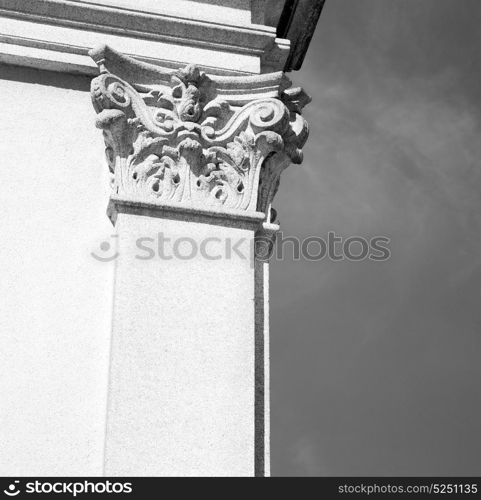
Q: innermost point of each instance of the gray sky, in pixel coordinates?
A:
(376, 366)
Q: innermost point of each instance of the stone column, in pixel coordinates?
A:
(195, 163)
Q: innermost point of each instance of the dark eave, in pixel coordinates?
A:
(297, 23)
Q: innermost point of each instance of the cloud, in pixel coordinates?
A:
(394, 150)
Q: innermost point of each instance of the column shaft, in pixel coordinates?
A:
(182, 390)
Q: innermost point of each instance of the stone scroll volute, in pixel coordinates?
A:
(182, 137)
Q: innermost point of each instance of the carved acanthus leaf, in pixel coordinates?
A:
(191, 141)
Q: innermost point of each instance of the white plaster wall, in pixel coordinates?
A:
(55, 299)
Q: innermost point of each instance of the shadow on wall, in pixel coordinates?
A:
(46, 78)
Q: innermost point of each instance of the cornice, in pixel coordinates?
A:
(132, 22)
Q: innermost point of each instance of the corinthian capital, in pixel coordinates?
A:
(185, 138)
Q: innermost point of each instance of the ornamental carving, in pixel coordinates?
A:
(186, 138)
